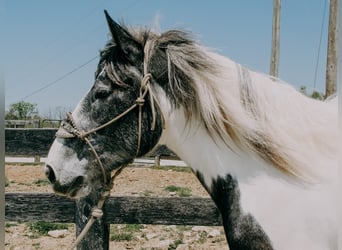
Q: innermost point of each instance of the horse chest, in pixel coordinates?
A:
(292, 217)
(259, 208)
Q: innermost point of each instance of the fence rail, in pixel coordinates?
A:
(37, 141)
(25, 207)
(28, 142)
(29, 207)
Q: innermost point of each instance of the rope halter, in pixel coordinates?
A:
(69, 129)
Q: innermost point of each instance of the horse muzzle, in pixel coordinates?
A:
(71, 188)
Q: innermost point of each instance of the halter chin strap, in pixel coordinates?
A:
(69, 129)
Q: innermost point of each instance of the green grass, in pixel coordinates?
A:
(179, 234)
(148, 193)
(125, 233)
(182, 228)
(175, 244)
(203, 237)
(7, 182)
(41, 182)
(134, 227)
(181, 191)
(42, 228)
(174, 168)
(121, 236)
(10, 224)
(36, 245)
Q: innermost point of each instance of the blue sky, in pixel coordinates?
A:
(44, 40)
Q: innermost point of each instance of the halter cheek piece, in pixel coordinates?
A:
(69, 129)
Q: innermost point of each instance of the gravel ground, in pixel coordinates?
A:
(135, 181)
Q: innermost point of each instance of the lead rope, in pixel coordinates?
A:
(96, 212)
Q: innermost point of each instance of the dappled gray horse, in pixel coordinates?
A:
(264, 152)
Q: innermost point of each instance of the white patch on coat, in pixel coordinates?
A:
(64, 161)
(294, 215)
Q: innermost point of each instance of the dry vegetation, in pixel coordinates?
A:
(134, 181)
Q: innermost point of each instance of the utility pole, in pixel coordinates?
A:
(331, 68)
(274, 67)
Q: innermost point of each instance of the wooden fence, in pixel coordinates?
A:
(36, 142)
(30, 207)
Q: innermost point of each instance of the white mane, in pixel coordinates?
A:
(254, 112)
(294, 133)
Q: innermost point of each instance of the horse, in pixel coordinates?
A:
(266, 154)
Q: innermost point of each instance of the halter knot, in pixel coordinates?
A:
(140, 101)
(146, 79)
(96, 213)
(81, 135)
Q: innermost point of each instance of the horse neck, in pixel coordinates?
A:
(298, 128)
(192, 142)
(208, 156)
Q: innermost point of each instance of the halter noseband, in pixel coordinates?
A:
(69, 129)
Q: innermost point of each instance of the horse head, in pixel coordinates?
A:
(118, 120)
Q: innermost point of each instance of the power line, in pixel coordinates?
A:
(49, 84)
(319, 45)
(57, 37)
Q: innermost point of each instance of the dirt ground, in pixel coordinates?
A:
(135, 181)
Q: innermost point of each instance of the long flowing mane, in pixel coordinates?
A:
(247, 110)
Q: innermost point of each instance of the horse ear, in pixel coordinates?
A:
(122, 38)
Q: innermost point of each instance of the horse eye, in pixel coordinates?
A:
(101, 93)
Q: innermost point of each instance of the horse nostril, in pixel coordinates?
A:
(50, 174)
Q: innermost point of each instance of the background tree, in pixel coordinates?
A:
(315, 94)
(21, 111)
